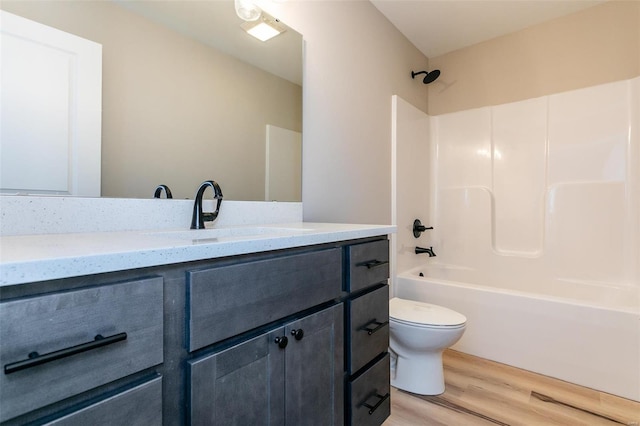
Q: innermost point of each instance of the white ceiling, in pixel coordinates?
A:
(441, 26)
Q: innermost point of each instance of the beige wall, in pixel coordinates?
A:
(355, 60)
(598, 45)
(173, 109)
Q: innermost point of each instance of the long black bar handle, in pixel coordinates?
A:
(37, 359)
(373, 263)
(370, 330)
(373, 408)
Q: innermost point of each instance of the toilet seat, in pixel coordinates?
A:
(420, 314)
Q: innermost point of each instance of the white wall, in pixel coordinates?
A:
(355, 60)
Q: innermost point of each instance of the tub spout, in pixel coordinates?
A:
(429, 251)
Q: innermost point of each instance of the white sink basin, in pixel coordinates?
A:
(228, 233)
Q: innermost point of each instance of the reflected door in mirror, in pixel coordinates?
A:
(283, 169)
(51, 110)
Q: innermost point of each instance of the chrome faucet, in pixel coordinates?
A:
(198, 218)
(429, 251)
(159, 190)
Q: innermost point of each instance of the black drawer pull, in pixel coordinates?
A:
(369, 329)
(373, 263)
(37, 359)
(373, 408)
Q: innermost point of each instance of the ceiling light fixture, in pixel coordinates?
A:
(264, 28)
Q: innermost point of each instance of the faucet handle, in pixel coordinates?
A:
(159, 189)
(208, 216)
(419, 228)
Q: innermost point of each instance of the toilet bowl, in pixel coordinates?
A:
(418, 334)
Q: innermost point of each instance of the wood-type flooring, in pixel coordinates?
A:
(485, 393)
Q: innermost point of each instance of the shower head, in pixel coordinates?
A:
(429, 77)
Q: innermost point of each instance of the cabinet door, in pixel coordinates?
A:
(242, 385)
(314, 369)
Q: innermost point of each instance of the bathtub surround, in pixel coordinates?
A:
(535, 208)
(547, 187)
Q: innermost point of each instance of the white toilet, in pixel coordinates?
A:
(418, 334)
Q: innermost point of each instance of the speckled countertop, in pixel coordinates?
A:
(30, 258)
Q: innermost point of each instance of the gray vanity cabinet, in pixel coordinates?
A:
(291, 375)
(289, 337)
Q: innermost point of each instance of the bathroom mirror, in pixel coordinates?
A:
(187, 95)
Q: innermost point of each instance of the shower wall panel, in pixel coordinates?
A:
(519, 150)
(551, 181)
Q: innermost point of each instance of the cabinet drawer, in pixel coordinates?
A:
(229, 300)
(368, 328)
(62, 328)
(368, 264)
(370, 402)
(138, 406)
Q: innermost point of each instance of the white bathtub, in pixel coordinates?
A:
(593, 342)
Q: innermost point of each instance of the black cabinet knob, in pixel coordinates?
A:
(298, 334)
(282, 341)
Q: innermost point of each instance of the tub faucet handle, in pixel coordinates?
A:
(419, 228)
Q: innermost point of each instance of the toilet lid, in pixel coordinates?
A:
(420, 313)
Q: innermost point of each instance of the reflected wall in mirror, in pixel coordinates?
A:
(176, 109)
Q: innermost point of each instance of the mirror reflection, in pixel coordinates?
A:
(188, 96)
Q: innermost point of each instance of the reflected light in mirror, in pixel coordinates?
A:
(266, 28)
